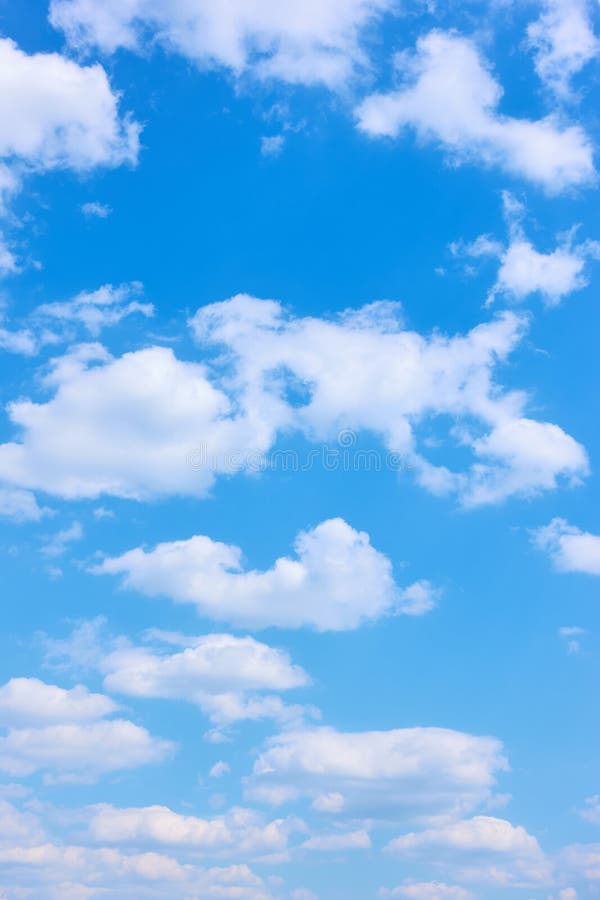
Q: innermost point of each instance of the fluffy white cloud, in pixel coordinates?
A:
(525, 270)
(228, 678)
(410, 773)
(95, 310)
(17, 827)
(449, 96)
(483, 848)
(21, 506)
(242, 832)
(58, 732)
(427, 890)
(49, 870)
(29, 701)
(304, 42)
(564, 42)
(335, 842)
(337, 580)
(398, 382)
(124, 427)
(80, 752)
(569, 548)
(147, 424)
(56, 113)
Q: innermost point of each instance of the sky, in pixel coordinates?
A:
(298, 447)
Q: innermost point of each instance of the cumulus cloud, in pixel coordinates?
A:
(229, 678)
(56, 871)
(569, 548)
(405, 774)
(147, 424)
(243, 832)
(56, 113)
(305, 42)
(336, 581)
(524, 270)
(483, 849)
(64, 734)
(427, 890)
(399, 381)
(564, 42)
(449, 96)
(29, 701)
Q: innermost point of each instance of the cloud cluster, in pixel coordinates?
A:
(336, 581)
(450, 97)
(524, 270)
(405, 774)
(482, 849)
(569, 548)
(564, 42)
(52, 871)
(147, 424)
(66, 735)
(304, 42)
(230, 679)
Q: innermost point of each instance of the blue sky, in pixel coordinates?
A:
(298, 530)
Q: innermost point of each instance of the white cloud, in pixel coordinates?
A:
(336, 842)
(564, 42)
(427, 890)
(569, 548)
(95, 310)
(57, 544)
(95, 210)
(162, 408)
(56, 113)
(337, 580)
(21, 506)
(303, 42)
(80, 752)
(426, 774)
(591, 811)
(48, 869)
(147, 424)
(225, 676)
(9, 264)
(29, 701)
(19, 827)
(481, 849)
(269, 146)
(451, 97)
(582, 860)
(524, 270)
(399, 381)
(58, 732)
(229, 678)
(219, 769)
(242, 832)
